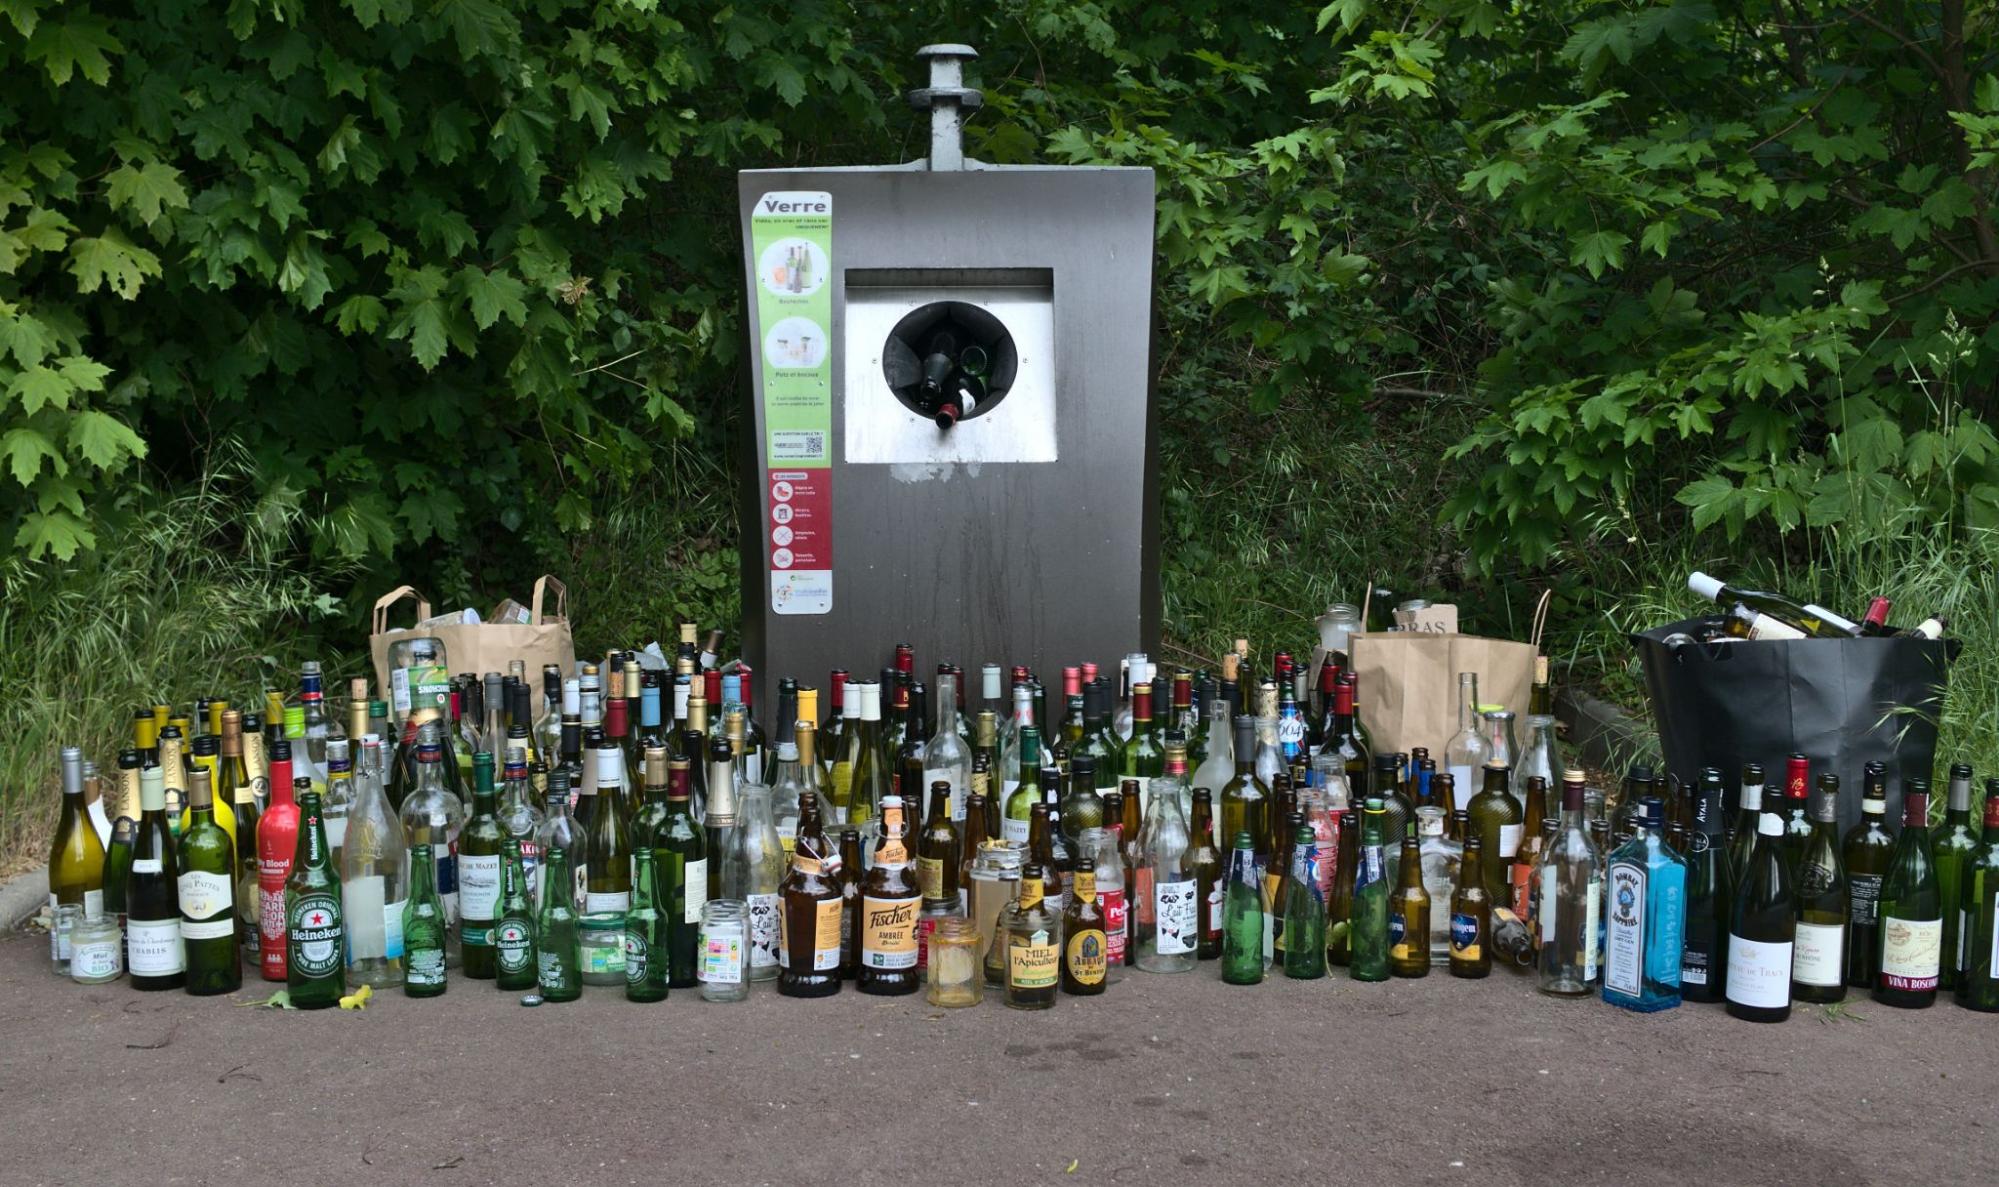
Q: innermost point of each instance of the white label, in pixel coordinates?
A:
(479, 886)
(697, 890)
(95, 960)
(607, 902)
(1174, 906)
(1911, 947)
(211, 929)
(399, 691)
(1547, 909)
(93, 903)
(155, 947)
(1593, 901)
(1509, 841)
(1995, 933)
(1819, 956)
(361, 909)
(1014, 830)
(763, 931)
(146, 865)
(336, 830)
(1759, 974)
(392, 928)
(1215, 899)
(1461, 780)
(722, 957)
(204, 895)
(1624, 937)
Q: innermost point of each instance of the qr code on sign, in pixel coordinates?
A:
(797, 445)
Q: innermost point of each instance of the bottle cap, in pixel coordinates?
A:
(1704, 586)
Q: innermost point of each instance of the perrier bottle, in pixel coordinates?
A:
(645, 934)
(315, 972)
(423, 928)
(513, 933)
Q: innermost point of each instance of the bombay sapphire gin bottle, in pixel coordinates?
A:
(1643, 912)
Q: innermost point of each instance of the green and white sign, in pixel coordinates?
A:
(791, 234)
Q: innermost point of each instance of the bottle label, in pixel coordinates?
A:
(1910, 953)
(1547, 907)
(1116, 919)
(1592, 928)
(1089, 953)
(930, 878)
(697, 890)
(1624, 933)
(336, 830)
(1215, 898)
(604, 902)
(763, 931)
(207, 929)
(1509, 841)
(638, 954)
(1014, 831)
(479, 886)
(722, 957)
(1759, 973)
(426, 967)
(549, 973)
(1694, 958)
(1993, 968)
(95, 960)
(1464, 936)
(313, 935)
(1398, 933)
(1175, 906)
(1819, 955)
(361, 903)
(203, 896)
(515, 943)
(154, 946)
(1032, 965)
(1521, 875)
(1461, 777)
(825, 936)
(1863, 897)
(888, 932)
(392, 929)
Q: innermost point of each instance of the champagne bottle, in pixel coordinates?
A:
(1710, 883)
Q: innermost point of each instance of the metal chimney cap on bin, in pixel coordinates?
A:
(947, 98)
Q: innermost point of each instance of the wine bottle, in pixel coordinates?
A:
(1911, 911)
(1818, 963)
(1868, 849)
(1955, 847)
(1978, 927)
(76, 858)
(155, 954)
(1762, 931)
(1710, 881)
(1814, 621)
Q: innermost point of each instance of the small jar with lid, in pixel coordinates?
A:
(600, 944)
(724, 951)
(956, 972)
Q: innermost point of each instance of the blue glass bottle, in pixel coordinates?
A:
(1644, 914)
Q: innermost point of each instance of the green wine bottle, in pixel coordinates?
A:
(479, 844)
(206, 868)
(1818, 962)
(1978, 980)
(1911, 913)
(1955, 847)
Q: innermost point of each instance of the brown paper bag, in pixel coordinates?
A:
(1408, 690)
(478, 648)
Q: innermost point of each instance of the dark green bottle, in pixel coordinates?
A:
(1710, 881)
(1911, 945)
(1978, 980)
(1304, 910)
(1869, 847)
(423, 928)
(1245, 915)
(479, 845)
(513, 934)
(315, 930)
(206, 866)
(645, 935)
(1956, 846)
(1367, 930)
(680, 859)
(558, 948)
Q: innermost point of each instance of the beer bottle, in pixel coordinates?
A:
(889, 902)
(851, 875)
(1367, 934)
(1245, 925)
(423, 927)
(1409, 915)
(315, 970)
(937, 852)
(513, 935)
(1209, 883)
(645, 934)
(1031, 959)
(1085, 945)
(1471, 913)
(808, 949)
(558, 948)
(1305, 907)
(206, 866)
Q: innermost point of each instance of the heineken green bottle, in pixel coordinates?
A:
(645, 934)
(479, 873)
(513, 934)
(207, 886)
(558, 949)
(315, 969)
(423, 928)
(1368, 929)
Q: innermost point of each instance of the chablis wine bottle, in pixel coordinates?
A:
(1818, 963)
(1763, 930)
(1911, 912)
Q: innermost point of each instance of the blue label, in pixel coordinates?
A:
(1370, 871)
(447, 873)
(1397, 928)
(1464, 930)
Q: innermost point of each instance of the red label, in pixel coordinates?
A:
(1114, 923)
(799, 519)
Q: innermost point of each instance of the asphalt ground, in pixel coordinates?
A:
(1163, 1079)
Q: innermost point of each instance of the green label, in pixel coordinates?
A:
(313, 935)
(791, 233)
(637, 953)
(515, 945)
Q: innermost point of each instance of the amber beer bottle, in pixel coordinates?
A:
(1085, 945)
(889, 902)
(938, 851)
(808, 946)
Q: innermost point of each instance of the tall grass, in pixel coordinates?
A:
(201, 593)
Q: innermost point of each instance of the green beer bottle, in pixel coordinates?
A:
(1368, 929)
(423, 928)
(479, 873)
(207, 886)
(315, 970)
(645, 935)
(513, 934)
(1304, 908)
(558, 948)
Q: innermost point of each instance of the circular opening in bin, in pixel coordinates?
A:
(946, 350)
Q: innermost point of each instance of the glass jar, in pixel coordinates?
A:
(1336, 628)
(995, 883)
(926, 924)
(956, 976)
(96, 950)
(62, 927)
(600, 945)
(724, 950)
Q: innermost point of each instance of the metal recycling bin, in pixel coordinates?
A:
(950, 388)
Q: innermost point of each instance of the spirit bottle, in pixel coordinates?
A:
(1644, 901)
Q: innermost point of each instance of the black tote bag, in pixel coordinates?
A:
(1840, 702)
